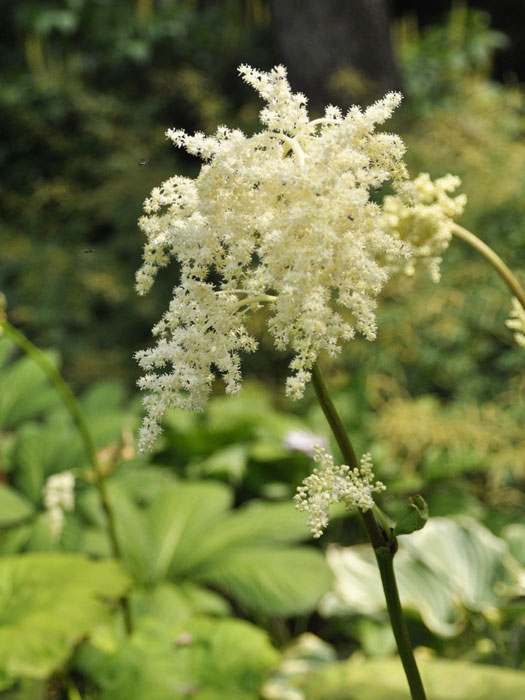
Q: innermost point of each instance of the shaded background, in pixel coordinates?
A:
(90, 86)
(88, 89)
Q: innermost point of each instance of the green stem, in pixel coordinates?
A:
(79, 420)
(255, 299)
(385, 561)
(382, 540)
(333, 418)
(494, 259)
(59, 384)
(387, 530)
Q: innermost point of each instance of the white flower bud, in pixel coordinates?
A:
(425, 224)
(516, 322)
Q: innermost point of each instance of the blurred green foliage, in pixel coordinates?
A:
(310, 670)
(87, 93)
(191, 561)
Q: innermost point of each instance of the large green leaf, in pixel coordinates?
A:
(181, 517)
(105, 396)
(188, 534)
(6, 348)
(276, 581)
(44, 449)
(26, 391)
(26, 689)
(143, 481)
(358, 590)
(204, 658)
(28, 471)
(468, 556)
(106, 412)
(13, 506)
(514, 534)
(443, 680)
(442, 570)
(274, 522)
(132, 533)
(48, 603)
(230, 461)
(254, 525)
(12, 540)
(171, 602)
(244, 411)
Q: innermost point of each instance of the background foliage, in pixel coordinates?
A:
(214, 556)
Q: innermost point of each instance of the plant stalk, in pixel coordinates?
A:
(73, 407)
(383, 542)
(494, 259)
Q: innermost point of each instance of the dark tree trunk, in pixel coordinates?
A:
(337, 51)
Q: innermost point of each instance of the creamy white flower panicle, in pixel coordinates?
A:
(424, 226)
(59, 495)
(281, 219)
(332, 484)
(516, 322)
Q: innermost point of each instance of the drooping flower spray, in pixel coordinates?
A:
(283, 218)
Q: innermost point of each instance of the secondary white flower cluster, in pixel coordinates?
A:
(516, 322)
(281, 217)
(333, 484)
(425, 226)
(59, 495)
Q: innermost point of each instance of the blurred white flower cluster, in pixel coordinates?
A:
(516, 322)
(284, 218)
(304, 441)
(332, 484)
(425, 226)
(59, 495)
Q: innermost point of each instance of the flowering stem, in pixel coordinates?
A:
(79, 420)
(294, 145)
(255, 299)
(383, 542)
(494, 259)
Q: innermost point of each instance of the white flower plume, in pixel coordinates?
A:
(332, 484)
(282, 218)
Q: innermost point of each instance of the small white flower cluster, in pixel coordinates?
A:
(425, 226)
(59, 495)
(284, 217)
(332, 484)
(516, 322)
